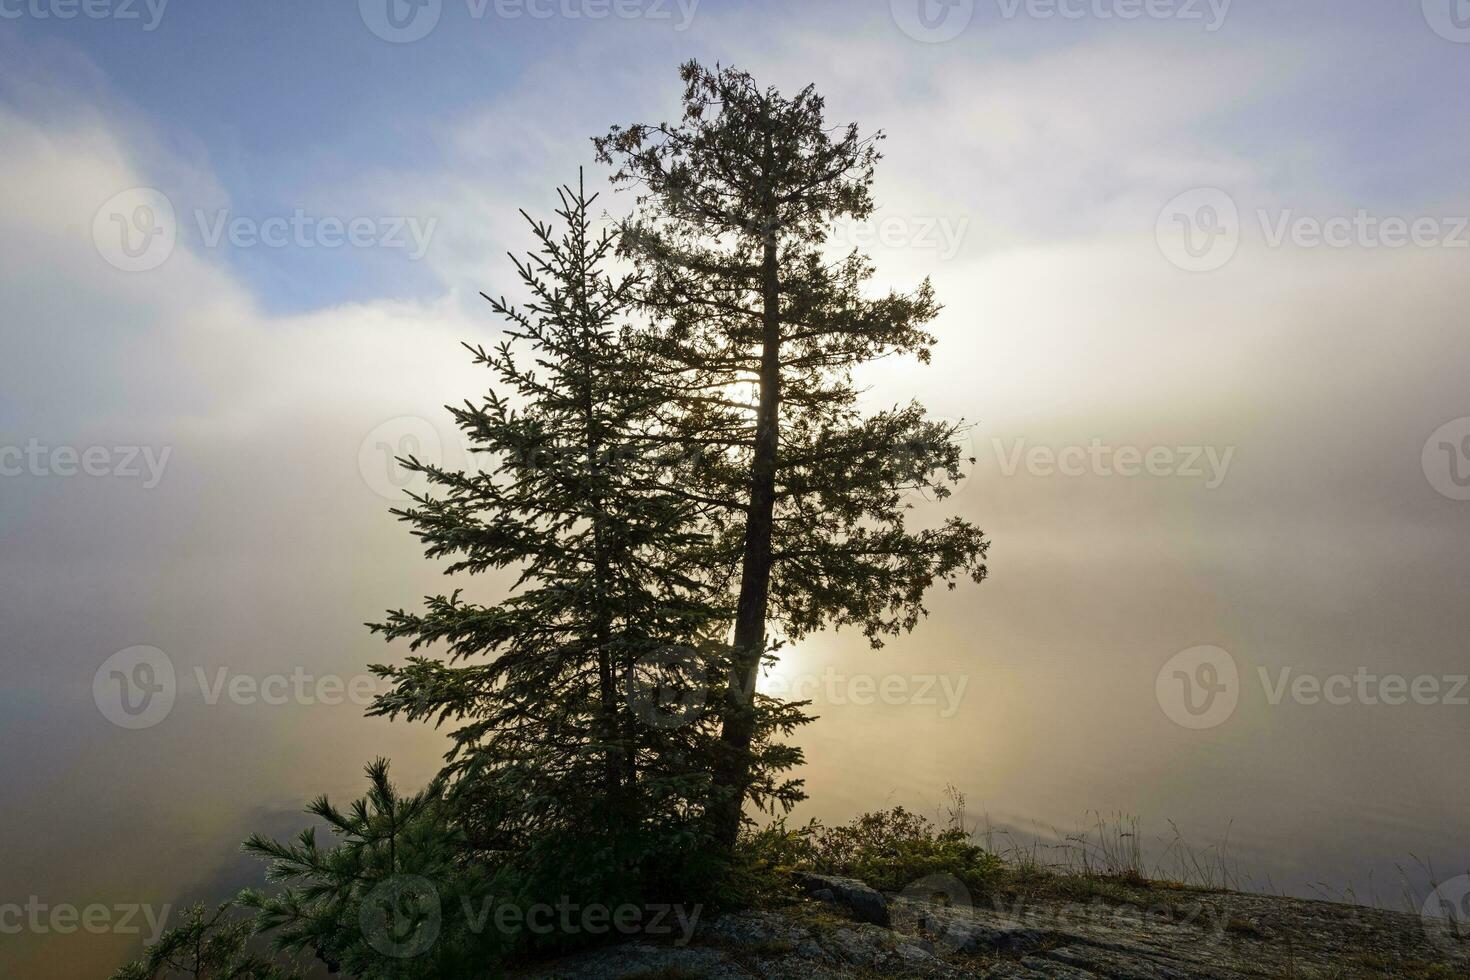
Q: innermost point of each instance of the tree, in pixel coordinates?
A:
(392, 900)
(560, 690)
(207, 946)
(760, 335)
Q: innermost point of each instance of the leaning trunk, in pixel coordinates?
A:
(732, 772)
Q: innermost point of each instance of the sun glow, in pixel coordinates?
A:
(778, 677)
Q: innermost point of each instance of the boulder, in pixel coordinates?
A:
(862, 902)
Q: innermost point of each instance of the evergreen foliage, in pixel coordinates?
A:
(584, 730)
(209, 945)
(761, 330)
(387, 901)
(674, 478)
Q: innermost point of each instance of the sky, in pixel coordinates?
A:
(1204, 276)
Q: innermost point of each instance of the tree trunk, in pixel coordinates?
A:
(732, 772)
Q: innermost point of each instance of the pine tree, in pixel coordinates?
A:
(209, 945)
(560, 692)
(392, 900)
(761, 334)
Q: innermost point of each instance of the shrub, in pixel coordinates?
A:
(891, 849)
(760, 874)
(887, 849)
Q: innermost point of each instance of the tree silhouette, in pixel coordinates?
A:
(760, 333)
(580, 699)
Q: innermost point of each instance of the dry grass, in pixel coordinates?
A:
(1113, 848)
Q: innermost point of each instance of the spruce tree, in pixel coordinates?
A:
(760, 334)
(564, 752)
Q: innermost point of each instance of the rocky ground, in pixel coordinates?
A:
(1087, 930)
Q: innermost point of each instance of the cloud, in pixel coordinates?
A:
(266, 545)
(261, 550)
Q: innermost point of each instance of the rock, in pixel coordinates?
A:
(960, 930)
(773, 945)
(1137, 934)
(864, 903)
(640, 959)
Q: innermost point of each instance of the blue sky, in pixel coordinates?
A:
(282, 102)
(1034, 170)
